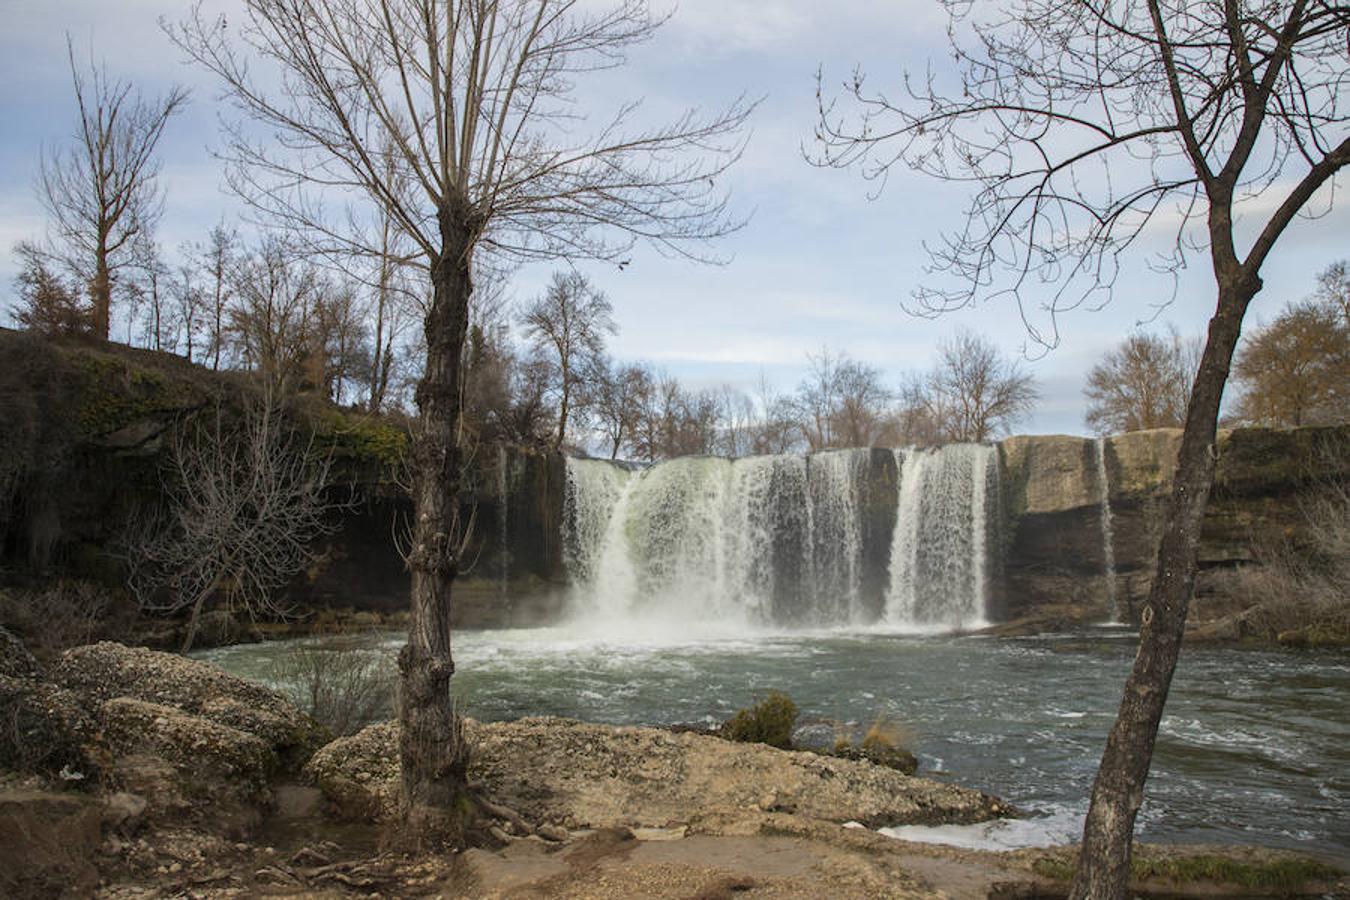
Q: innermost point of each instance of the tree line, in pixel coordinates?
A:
(1293, 370)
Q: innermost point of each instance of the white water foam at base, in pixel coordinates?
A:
(1061, 825)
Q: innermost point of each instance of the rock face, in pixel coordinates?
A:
(577, 775)
(1055, 545)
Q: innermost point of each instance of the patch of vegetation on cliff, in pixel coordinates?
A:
(116, 391)
(361, 440)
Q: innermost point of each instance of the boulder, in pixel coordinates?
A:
(218, 628)
(579, 775)
(107, 670)
(359, 774)
(47, 844)
(207, 762)
(45, 728)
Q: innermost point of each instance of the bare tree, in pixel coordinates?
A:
(101, 193)
(189, 299)
(569, 323)
(777, 431)
(1142, 383)
(617, 400)
(243, 503)
(739, 422)
(459, 120)
(277, 293)
(1080, 123)
(1296, 370)
(974, 393)
(216, 258)
(841, 402)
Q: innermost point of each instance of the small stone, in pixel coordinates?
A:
(553, 833)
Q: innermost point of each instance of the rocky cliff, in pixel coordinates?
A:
(86, 425)
(1082, 516)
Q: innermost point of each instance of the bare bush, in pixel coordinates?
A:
(244, 504)
(1301, 593)
(54, 618)
(339, 682)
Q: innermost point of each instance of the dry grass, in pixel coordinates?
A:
(57, 617)
(1301, 593)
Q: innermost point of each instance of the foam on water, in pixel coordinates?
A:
(1057, 826)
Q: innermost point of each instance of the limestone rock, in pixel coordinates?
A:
(107, 670)
(219, 627)
(15, 660)
(208, 762)
(359, 774)
(44, 728)
(579, 775)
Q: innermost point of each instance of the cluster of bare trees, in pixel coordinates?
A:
(562, 388)
(268, 308)
(1294, 370)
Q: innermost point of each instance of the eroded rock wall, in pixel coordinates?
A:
(1055, 547)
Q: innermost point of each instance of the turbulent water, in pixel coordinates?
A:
(783, 540)
(1255, 746)
(700, 583)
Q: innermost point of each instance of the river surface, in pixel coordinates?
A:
(1254, 747)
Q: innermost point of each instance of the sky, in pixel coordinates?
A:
(820, 263)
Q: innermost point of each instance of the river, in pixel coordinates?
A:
(1254, 747)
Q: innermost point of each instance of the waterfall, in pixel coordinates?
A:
(778, 540)
(939, 563)
(1108, 538)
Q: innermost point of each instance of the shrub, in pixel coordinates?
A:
(57, 617)
(885, 743)
(1301, 593)
(769, 721)
(341, 684)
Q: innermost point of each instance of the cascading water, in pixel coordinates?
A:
(939, 550)
(1108, 537)
(779, 540)
(754, 541)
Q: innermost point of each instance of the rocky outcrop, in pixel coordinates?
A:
(106, 671)
(15, 660)
(181, 737)
(1055, 548)
(578, 775)
(180, 761)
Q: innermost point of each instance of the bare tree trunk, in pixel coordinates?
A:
(101, 294)
(1103, 872)
(430, 744)
(564, 402)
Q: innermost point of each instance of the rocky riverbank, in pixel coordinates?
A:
(128, 773)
